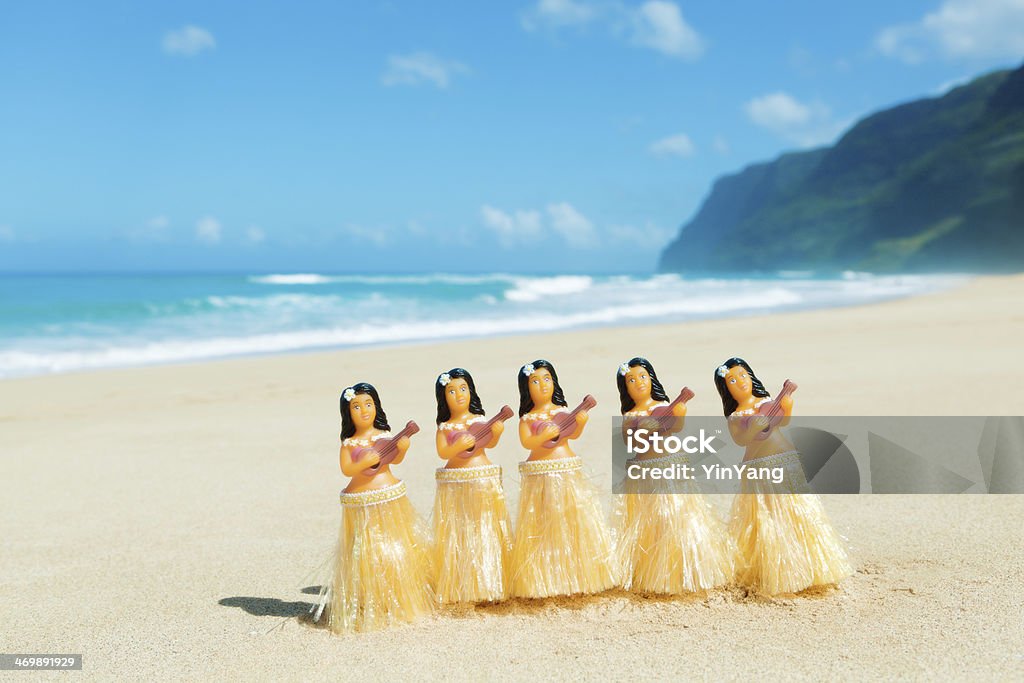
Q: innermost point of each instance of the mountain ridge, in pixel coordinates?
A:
(934, 184)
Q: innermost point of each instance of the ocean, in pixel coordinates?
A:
(62, 323)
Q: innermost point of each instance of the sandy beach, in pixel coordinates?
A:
(166, 522)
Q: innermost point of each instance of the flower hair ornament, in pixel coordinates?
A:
(444, 379)
(623, 369)
(528, 369)
(349, 394)
(722, 371)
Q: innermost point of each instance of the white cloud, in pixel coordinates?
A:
(721, 145)
(7, 234)
(807, 125)
(656, 24)
(659, 25)
(777, 110)
(511, 228)
(524, 226)
(959, 29)
(649, 235)
(422, 67)
(679, 145)
(895, 41)
(376, 236)
(254, 234)
(208, 230)
(573, 226)
(558, 13)
(188, 41)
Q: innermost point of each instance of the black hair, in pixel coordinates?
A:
(525, 402)
(444, 413)
(348, 427)
(626, 401)
(729, 404)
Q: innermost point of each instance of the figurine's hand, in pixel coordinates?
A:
(550, 431)
(497, 428)
(679, 410)
(403, 444)
(370, 458)
(787, 404)
(466, 442)
(581, 418)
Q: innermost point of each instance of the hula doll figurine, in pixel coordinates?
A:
(670, 540)
(784, 539)
(562, 544)
(381, 571)
(472, 531)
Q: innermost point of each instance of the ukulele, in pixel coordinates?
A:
(663, 414)
(772, 410)
(480, 431)
(566, 422)
(387, 448)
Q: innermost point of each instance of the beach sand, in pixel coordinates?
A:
(166, 522)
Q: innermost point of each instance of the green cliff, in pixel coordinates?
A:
(932, 185)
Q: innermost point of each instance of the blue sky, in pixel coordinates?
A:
(560, 135)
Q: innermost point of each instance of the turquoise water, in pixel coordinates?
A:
(60, 323)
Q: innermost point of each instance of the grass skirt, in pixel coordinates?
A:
(472, 535)
(562, 544)
(381, 573)
(670, 540)
(785, 542)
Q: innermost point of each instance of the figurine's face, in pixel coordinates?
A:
(638, 384)
(541, 386)
(738, 381)
(362, 410)
(456, 394)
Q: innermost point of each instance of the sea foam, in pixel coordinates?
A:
(187, 318)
